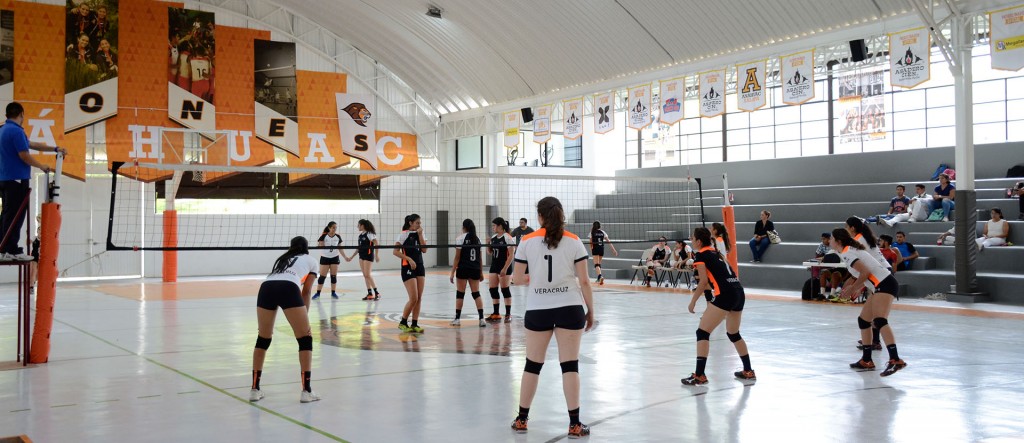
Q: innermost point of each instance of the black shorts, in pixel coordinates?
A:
(598, 251)
(888, 286)
(366, 256)
(496, 269)
(408, 273)
(731, 300)
(566, 317)
(330, 261)
(468, 274)
(279, 294)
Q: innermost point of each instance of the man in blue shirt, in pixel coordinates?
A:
(15, 171)
(907, 251)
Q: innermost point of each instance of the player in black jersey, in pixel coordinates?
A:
(329, 258)
(502, 249)
(409, 247)
(367, 253)
(467, 269)
(727, 305)
(598, 238)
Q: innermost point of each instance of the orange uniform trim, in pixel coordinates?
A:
(540, 233)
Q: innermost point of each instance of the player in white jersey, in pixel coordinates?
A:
(329, 259)
(287, 287)
(863, 234)
(467, 270)
(865, 268)
(558, 291)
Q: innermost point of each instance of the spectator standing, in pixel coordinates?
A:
(907, 251)
(760, 242)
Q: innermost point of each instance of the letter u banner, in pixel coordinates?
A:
(90, 63)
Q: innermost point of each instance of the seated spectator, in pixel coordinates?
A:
(659, 256)
(831, 279)
(682, 255)
(1019, 192)
(820, 252)
(917, 209)
(948, 237)
(944, 196)
(898, 205)
(907, 251)
(995, 232)
(760, 242)
(891, 254)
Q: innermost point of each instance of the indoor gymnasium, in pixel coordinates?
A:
(511, 221)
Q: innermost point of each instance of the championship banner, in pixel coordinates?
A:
(712, 93)
(510, 125)
(321, 137)
(90, 62)
(191, 67)
(6, 57)
(910, 57)
(1007, 38)
(750, 78)
(638, 114)
(673, 93)
(276, 95)
(236, 69)
(572, 118)
(542, 124)
(357, 126)
(604, 112)
(861, 108)
(797, 77)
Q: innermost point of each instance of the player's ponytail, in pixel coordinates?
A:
(299, 246)
(367, 226)
(703, 235)
(859, 227)
(595, 228)
(720, 231)
(409, 219)
(470, 228)
(550, 210)
(329, 226)
(843, 237)
(501, 222)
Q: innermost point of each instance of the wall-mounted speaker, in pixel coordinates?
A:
(527, 115)
(858, 50)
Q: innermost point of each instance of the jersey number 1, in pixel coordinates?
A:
(548, 258)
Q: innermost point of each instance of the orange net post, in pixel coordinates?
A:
(729, 220)
(170, 268)
(49, 248)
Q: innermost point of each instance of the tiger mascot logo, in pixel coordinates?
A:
(359, 113)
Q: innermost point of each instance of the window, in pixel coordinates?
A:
(469, 153)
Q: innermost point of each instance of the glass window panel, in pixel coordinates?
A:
(787, 149)
(882, 144)
(815, 146)
(940, 96)
(762, 151)
(738, 120)
(469, 153)
(762, 117)
(908, 100)
(990, 112)
(941, 137)
(631, 162)
(762, 135)
(738, 137)
(690, 126)
(787, 114)
(1015, 88)
(711, 139)
(989, 133)
(990, 91)
(692, 141)
(913, 139)
(1015, 132)
(814, 129)
(787, 132)
(742, 152)
(692, 157)
(1015, 109)
(941, 117)
(713, 155)
(814, 111)
(908, 120)
(711, 124)
(848, 147)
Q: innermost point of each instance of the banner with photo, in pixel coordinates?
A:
(235, 57)
(572, 118)
(797, 77)
(910, 60)
(276, 95)
(673, 94)
(604, 112)
(90, 62)
(191, 68)
(357, 126)
(510, 126)
(638, 113)
(750, 77)
(712, 93)
(861, 107)
(1006, 40)
(6, 57)
(542, 124)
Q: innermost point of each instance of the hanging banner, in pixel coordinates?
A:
(542, 124)
(797, 77)
(638, 115)
(235, 62)
(750, 78)
(572, 118)
(326, 129)
(712, 93)
(510, 124)
(357, 126)
(910, 58)
(6, 57)
(396, 151)
(604, 112)
(1007, 38)
(276, 95)
(90, 63)
(861, 107)
(190, 83)
(673, 93)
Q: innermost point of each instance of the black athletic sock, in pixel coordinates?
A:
(415, 322)
(866, 351)
(701, 362)
(508, 310)
(481, 313)
(369, 291)
(574, 417)
(496, 308)
(524, 413)
(256, 375)
(875, 336)
(458, 314)
(404, 321)
(375, 291)
(746, 362)
(893, 354)
(306, 386)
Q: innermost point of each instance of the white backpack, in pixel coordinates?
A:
(919, 210)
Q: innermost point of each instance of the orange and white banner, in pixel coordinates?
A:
(797, 77)
(6, 56)
(510, 126)
(572, 118)
(542, 124)
(322, 142)
(750, 78)
(638, 113)
(910, 60)
(1007, 38)
(276, 94)
(91, 65)
(604, 112)
(673, 94)
(235, 58)
(712, 93)
(357, 126)
(191, 68)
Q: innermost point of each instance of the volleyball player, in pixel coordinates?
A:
(865, 268)
(329, 259)
(861, 232)
(555, 299)
(722, 241)
(598, 238)
(293, 270)
(727, 305)
(409, 247)
(367, 252)
(501, 247)
(467, 269)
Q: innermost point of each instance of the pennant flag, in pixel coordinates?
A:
(712, 93)
(750, 78)
(910, 58)
(572, 114)
(797, 77)
(357, 126)
(542, 124)
(190, 81)
(511, 127)
(604, 112)
(639, 111)
(1007, 38)
(672, 95)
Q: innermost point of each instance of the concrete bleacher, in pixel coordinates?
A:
(805, 205)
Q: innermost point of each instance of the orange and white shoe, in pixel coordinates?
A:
(579, 430)
(519, 425)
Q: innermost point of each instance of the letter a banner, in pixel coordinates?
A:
(357, 126)
(672, 95)
(191, 68)
(511, 126)
(572, 115)
(604, 112)
(750, 94)
(542, 124)
(1007, 38)
(90, 65)
(797, 77)
(712, 93)
(639, 111)
(910, 58)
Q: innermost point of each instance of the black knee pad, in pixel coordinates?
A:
(880, 321)
(597, 266)
(321, 279)
(506, 292)
(864, 324)
(734, 337)
(570, 366)
(703, 335)
(533, 367)
(494, 294)
(334, 279)
(262, 343)
(459, 295)
(476, 295)
(305, 343)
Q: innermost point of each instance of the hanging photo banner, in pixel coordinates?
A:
(357, 126)
(861, 108)
(1007, 38)
(712, 93)
(90, 63)
(639, 111)
(276, 94)
(604, 112)
(511, 126)
(542, 124)
(672, 95)
(750, 78)
(910, 58)
(191, 68)
(797, 77)
(572, 118)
